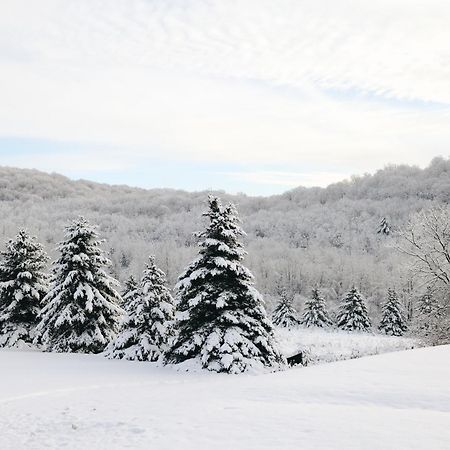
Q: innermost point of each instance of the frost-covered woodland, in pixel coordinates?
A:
(330, 238)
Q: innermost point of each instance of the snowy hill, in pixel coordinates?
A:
(316, 236)
(393, 401)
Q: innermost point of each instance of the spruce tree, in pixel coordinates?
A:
(148, 327)
(315, 314)
(353, 312)
(23, 285)
(82, 312)
(285, 315)
(393, 321)
(221, 319)
(130, 292)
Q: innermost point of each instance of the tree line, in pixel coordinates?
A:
(217, 317)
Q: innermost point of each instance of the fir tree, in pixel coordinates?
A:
(353, 313)
(222, 322)
(384, 227)
(130, 292)
(393, 321)
(148, 327)
(82, 312)
(284, 314)
(23, 285)
(315, 314)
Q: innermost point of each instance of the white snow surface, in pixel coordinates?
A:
(393, 401)
(324, 345)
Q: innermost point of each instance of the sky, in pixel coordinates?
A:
(252, 96)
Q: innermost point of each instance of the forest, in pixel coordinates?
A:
(328, 238)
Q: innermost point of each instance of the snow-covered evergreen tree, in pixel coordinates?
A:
(23, 285)
(384, 227)
(130, 292)
(315, 314)
(284, 314)
(221, 319)
(82, 312)
(353, 312)
(148, 327)
(393, 321)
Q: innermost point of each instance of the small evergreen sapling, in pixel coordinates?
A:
(393, 321)
(221, 319)
(148, 327)
(285, 314)
(23, 285)
(315, 314)
(82, 312)
(130, 291)
(353, 313)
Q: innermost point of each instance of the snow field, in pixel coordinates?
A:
(392, 401)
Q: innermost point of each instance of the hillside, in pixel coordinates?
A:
(397, 400)
(301, 238)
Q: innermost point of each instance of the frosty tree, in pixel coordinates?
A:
(285, 314)
(315, 314)
(148, 327)
(353, 312)
(23, 285)
(384, 227)
(222, 322)
(427, 303)
(393, 321)
(82, 311)
(130, 292)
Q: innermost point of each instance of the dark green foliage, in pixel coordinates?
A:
(148, 327)
(393, 321)
(23, 285)
(82, 311)
(353, 313)
(315, 314)
(222, 322)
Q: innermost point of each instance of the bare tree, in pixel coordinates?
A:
(426, 241)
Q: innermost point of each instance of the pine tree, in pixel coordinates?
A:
(315, 314)
(82, 312)
(130, 292)
(353, 313)
(23, 285)
(222, 322)
(148, 327)
(384, 227)
(284, 314)
(393, 321)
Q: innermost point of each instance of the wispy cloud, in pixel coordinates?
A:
(350, 84)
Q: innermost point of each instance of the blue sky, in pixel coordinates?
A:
(243, 95)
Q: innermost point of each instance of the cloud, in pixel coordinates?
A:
(289, 179)
(346, 86)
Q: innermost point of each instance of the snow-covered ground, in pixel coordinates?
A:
(330, 345)
(393, 401)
